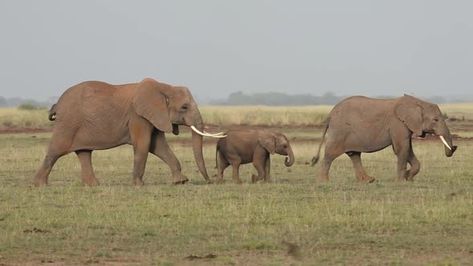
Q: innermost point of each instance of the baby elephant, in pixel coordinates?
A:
(246, 146)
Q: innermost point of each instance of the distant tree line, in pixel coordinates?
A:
(280, 99)
(241, 98)
(277, 99)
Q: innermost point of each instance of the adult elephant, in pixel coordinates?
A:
(361, 124)
(95, 115)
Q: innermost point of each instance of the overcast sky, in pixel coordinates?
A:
(218, 47)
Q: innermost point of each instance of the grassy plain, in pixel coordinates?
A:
(293, 220)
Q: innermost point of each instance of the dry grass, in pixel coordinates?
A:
(294, 220)
(458, 110)
(265, 115)
(16, 118)
(293, 116)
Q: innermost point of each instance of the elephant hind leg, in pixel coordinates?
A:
(359, 170)
(332, 151)
(87, 171)
(57, 148)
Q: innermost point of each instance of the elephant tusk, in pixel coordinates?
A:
(218, 135)
(445, 142)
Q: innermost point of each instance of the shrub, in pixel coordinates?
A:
(30, 106)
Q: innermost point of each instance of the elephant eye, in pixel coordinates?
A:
(436, 119)
(184, 107)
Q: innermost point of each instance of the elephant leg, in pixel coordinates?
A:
(87, 171)
(332, 151)
(402, 148)
(161, 149)
(415, 165)
(222, 164)
(141, 139)
(359, 170)
(139, 165)
(57, 148)
(259, 162)
(236, 172)
(260, 168)
(267, 170)
(41, 176)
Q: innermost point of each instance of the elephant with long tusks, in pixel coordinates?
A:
(95, 115)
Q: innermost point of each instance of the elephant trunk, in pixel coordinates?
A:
(447, 140)
(290, 157)
(197, 149)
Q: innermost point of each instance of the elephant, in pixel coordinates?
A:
(242, 146)
(95, 115)
(360, 124)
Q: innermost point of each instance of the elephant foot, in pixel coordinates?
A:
(38, 182)
(91, 181)
(323, 179)
(180, 180)
(138, 182)
(219, 181)
(366, 179)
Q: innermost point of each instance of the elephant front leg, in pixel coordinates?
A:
(401, 148)
(222, 164)
(141, 139)
(236, 172)
(161, 149)
(415, 166)
(260, 158)
(267, 170)
(139, 165)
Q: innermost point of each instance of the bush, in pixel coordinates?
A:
(30, 106)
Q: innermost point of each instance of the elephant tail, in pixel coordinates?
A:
(52, 113)
(315, 159)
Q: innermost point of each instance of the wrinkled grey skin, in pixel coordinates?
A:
(361, 124)
(251, 146)
(95, 115)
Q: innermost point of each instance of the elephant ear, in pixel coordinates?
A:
(268, 142)
(151, 104)
(410, 114)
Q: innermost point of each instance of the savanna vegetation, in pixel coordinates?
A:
(293, 220)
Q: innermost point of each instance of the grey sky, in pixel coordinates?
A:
(218, 47)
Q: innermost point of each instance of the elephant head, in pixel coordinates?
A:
(167, 107)
(423, 118)
(277, 143)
